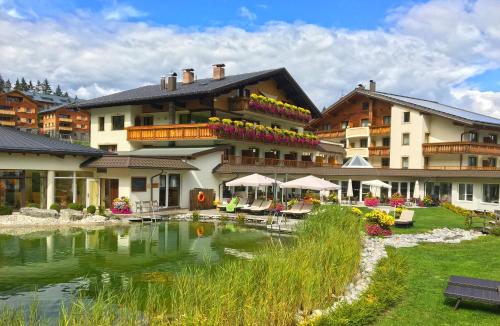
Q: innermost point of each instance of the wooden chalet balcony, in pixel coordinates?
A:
(7, 123)
(461, 148)
(261, 161)
(191, 131)
(330, 134)
(355, 132)
(361, 151)
(66, 128)
(380, 130)
(468, 168)
(7, 112)
(379, 150)
(61, 119)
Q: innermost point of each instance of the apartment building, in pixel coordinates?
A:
(453, 152)
(198, 133)
(66, 124)
(18, 110)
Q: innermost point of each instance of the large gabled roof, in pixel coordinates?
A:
(15, 141)
(423, 105)
(203, 87)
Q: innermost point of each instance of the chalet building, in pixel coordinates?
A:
(63, 123)
(198, 133)
(18, 110)
(453, 153)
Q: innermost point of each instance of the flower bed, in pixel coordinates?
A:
(371, 201)
(397, 200)
(256, 132)
(121, 206)
(268, 105)
(378, 223)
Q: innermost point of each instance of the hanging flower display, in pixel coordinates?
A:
(257, 132)
(269, 105)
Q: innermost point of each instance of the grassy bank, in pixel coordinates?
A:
(430, 218)
(268, 290)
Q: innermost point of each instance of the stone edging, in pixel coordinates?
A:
(374, 250)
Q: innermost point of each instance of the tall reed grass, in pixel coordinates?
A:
(268, 290)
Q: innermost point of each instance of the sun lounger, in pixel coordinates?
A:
(242, 203)
(231, 207)
(306, 208)
(473, 289)
(293, 209)
(405, 219)
(266, 204)
(256, 204)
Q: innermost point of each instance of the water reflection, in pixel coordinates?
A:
(58, 263)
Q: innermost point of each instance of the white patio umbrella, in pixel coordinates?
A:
(377, 183)
(350, 192)
(416, 190)
(254, 180)
(310, 182)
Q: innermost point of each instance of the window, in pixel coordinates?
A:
(137, 121)
(363, 142)
(385, 162)
(491, 139)
(108, 148)
(327, 127)
(472, 161)
(427, 136)
(365, 123)
(101, 123)
(406, 116)
(465, 191)
(490, 162)
(426, 162)
(404, 162)
(406, 139)
(148, 121)
(387, 120)
(184, 118)
(139, 184)
(490, 193)
(345, 124)
(386, 141)
(365, 105)
(470, 136)
(403, 189)
(118, 122)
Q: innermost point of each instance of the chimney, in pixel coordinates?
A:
(172, 82)
(219, 71)
(188, 76)
(163, 84)
(373, 86)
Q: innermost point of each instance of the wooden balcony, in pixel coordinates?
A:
(66, 128)
(356, 132)
(380, 130)
(469, 168)
(260, 161)
(65, 120)
(7, 123)
(191, 131)
(361, 151)
(330, 134)
(7, 112)
(461, 148)
(379, 150)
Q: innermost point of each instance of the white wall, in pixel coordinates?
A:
(41, 162)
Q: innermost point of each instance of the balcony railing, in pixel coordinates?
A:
(7, 123)
(380, 130)
(65, 128)
(361, 151)
(357, 132)
(7, 112)
(261, 161)
(330, 134)
(476, 168)
(461, 148)
(62, 119)
(379, 150)
(192, 131)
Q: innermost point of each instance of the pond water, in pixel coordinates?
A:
(57, 264)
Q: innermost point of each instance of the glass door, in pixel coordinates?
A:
(162, 200)
(174, 185)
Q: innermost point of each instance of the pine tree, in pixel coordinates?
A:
(38, 87)
(2, 84)
(58, 91)
(17, 85)
(8, 86)
(31, 87)
(24, 85)
(46, 89)
(66, 94)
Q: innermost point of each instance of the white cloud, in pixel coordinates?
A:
(93, 56)
(247, 13)
(12, 12)
(122, 12)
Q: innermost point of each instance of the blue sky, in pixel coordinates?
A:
(446, 50)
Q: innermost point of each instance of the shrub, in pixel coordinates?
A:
(495, 231)
(91, 209)
(56, 207)
(333, 197)
(316, 202)
(427, 201)
(195, 216)
(224, 217)
(76, 206)
(33, 205)
(102, 211)
(240, 218)
(5, 210)
(376, 230)
(356, 211)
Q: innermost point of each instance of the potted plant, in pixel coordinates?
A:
(121, 205)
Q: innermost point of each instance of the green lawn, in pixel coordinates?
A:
(430, 218)
(430, 266)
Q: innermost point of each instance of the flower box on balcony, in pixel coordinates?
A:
(257, 132)
(268, 105)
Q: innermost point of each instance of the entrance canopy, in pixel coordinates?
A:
(253, 180)
(310, 182)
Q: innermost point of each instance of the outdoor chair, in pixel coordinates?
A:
(231, 207)
(306, 208)
(293, 209)
(473, 289)
(155, 209)
(242, 203)
(405, 219)
(264, 206)
(256, 204)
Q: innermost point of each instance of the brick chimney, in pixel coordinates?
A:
(188, 76)
(219, 71)
(172, 82)
(373, 85)
(163, 83)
